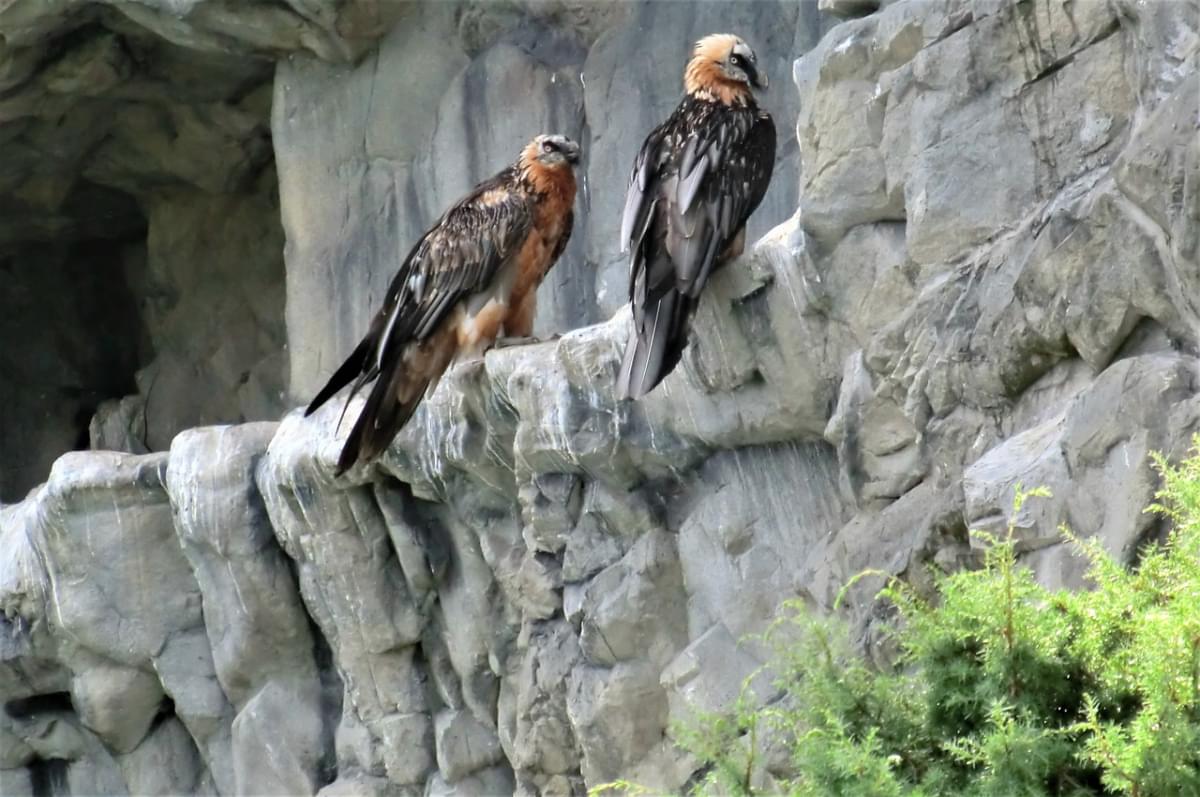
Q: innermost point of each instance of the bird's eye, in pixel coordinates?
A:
(547, 147)
(737, 60)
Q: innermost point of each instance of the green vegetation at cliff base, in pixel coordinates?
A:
(1002, 687)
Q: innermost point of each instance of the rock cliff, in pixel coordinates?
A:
(979, 264)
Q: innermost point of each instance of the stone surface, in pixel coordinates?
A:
(165, 763)
(341, 184)
(618, 715)
(139, 218)
(1098, 471)
(262, 648)
(977, 267)
(353, 588)
(464, 745)
(114, 604)
(116, 703)
(849, 8)
(497, 780)
(213, 298)
(712, 672)
(337, 31)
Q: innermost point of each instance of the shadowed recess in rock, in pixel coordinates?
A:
(26, 707)
(71, 336)
(48, 777)
(139, 234)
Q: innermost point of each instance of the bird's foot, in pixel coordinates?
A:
(523, 340)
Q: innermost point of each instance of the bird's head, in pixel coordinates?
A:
(546, 163)
(551, 151)
(724, 67)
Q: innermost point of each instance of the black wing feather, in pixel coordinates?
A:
(344, 375)
(639, 199)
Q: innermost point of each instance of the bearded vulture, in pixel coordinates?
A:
(470, 279)
(696, 180)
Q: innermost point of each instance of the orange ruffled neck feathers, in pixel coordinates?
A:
(703, 77)
(558, 179)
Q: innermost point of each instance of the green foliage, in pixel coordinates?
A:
(1002, 687)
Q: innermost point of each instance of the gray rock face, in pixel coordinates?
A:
(139, 220)
(105, 570)
(262, 650)
(111, 609)
(991, 278)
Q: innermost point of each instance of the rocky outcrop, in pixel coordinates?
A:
(991, 279)
(139, 220)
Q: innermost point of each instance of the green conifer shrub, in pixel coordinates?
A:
(1002, 688)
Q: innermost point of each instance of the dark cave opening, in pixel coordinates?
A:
(48, 777)
(71, 336)
(25, 707)
(140, 246)
(166, 711)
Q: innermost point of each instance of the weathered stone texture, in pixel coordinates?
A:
(991, 279)
(139, 221)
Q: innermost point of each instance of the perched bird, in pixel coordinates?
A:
(696, 180)
(472, 278)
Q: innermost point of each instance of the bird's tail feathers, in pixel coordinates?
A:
(346, 372)
(389, 405)
(655, 344)
(358, 385)
(395, 396)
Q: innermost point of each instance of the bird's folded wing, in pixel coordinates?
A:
(459, 256)
(723, 176)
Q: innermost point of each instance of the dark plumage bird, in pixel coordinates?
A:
(696, 180)
(472, 278)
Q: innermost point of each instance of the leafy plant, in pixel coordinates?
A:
(1002, 688)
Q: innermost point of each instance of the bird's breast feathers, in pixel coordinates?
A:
(551, 225)
(508, 304)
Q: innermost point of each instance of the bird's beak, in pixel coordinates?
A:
(572, 152)
(760, 80)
